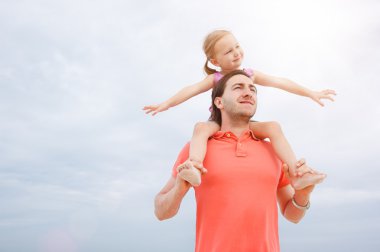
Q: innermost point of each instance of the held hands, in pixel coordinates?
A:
(191, 172)
(302, 168)
(304, 177)
(154, 109)
(317, 96)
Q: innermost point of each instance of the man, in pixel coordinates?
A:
(237, 201)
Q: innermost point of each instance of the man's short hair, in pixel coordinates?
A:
(218, 91)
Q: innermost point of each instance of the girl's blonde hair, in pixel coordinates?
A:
(209, 45)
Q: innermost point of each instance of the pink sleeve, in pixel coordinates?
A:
(182, 157)
(217, 77)
(249, 71)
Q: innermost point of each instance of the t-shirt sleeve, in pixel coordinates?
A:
(283, 181)
(182, 157)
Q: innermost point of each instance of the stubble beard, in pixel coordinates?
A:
(241, 116)
(238, 114)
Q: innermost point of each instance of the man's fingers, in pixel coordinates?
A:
(285, 167)
(304, 169)
(300, 162)
(201, 168)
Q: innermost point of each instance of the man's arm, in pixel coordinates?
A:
(168, 200)
(301, 198)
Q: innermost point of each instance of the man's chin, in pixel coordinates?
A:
(249, 113)
(245, 116)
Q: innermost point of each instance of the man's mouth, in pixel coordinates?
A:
(247, 102)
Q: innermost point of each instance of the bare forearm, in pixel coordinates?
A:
(180, 97)
(292, 87)
(191, 91)
(281, 83)
(291, 212)
(167, 204)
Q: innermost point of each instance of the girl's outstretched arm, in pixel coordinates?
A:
(292, 87)
(183, 95)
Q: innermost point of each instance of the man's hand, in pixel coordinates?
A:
(199, 166)
(182, 184)
(301, 169)
(305, 176)
(191, 171)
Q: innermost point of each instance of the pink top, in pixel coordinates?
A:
(219, 75)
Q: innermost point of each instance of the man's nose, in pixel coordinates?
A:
(247, 92)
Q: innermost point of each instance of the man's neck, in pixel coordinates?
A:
(237, 127)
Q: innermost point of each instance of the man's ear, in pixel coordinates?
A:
(218, 102)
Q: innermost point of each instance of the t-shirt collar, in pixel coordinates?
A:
(228, 134)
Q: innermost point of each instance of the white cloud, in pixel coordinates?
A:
(336, 197)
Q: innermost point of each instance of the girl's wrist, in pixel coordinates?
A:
(309, 93)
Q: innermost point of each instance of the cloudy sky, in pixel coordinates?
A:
(80, 163)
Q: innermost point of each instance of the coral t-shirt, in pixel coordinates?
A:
(237, 200)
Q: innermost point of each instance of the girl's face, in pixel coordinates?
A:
(228, 53)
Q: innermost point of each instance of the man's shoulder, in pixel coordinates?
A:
(185, 148)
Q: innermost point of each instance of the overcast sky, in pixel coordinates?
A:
(80, 163)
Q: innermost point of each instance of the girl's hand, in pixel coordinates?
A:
(154, 109)
(324, 94)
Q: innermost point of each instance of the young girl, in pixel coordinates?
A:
(223, 51)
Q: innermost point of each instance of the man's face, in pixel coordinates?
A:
(239, 98)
